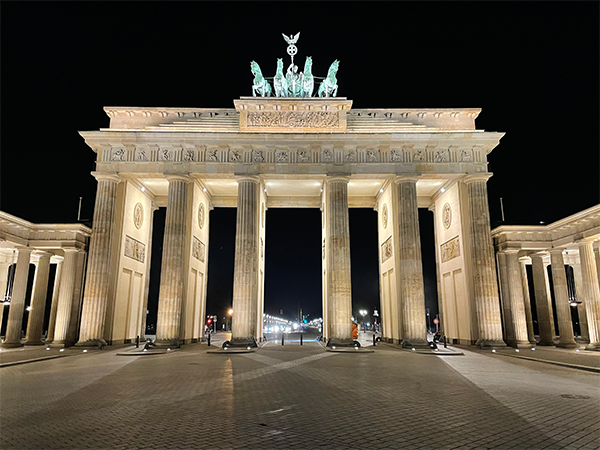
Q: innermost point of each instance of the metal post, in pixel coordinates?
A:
(301, 339)
(374, 340)
(445, 344)
(137, 342)
(282, 338)
(502, 209)
(209, 339)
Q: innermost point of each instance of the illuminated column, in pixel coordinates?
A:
(170, 297)
(543, 301)
(592, 292)
(561, 296)
(38, 301)
(54, 306)
(339, 289)
(517, 304)
(245, 280)
(17, 302)
(410, 270)
(580, 295)
(507, 323)
(142, 331)
(597, 258)
(4, 267)
(527, 302)
(96, 284)
(64, 307)
(485, 285)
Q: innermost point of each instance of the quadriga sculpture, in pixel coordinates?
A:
(261, 85)
(308, 81)
(328, 87)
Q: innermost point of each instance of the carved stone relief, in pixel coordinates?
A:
(441, 155)
(201, 215)
(198, 249)
(386, 250)
(262, 246)
(212, 155)
(282, 156)
(138, 215)
(465, 156)
(293, 119)
(327, 155)
(118, 154)
(235, 156)
(164, 154)
(189, 155)
(372, 155)
(351, 155)
(447, 215)
(323, 248)
(384, 216)
(134, 249)
(303, 156)
(450, 249)
(419, 154)
(141, 154)
(258, 156)
(396, 155)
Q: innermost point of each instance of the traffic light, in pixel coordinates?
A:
(208, 321)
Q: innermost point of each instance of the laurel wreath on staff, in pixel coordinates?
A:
(291, 41)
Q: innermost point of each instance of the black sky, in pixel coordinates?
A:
(532, 67)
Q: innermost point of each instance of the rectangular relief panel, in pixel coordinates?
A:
(386, 250)
(135, 249)
(198, 249)
(450, 249)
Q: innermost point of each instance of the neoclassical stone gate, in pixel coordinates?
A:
(289, 152)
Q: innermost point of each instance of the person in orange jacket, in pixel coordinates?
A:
(354, 331)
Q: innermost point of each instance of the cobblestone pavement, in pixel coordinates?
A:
(297, 397)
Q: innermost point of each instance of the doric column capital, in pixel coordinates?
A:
(554, 251)
(22, 249)
(333, 178)
(43, 255)
(477, 177)
(586, 241)
(178, 177)
(100, 176)
(405, 178)
(250, 178)
(525, 260)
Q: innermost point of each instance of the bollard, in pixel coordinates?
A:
(137, 342)
(445, 344)
(374, 340)
(282, 338)
(209, 339)
(301, 339)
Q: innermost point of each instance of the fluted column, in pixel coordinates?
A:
(65, 300)
(580, 295)
(592, 293)
(597, 258)
(507, 323)
(339, 286)
(170, 297)
(142, 330)
(543, 301)
(54, 306)
(527, 302)
(245, 279)
(410, 270)
(517, 304)
(17, 302)
(485, 286)
(38, 301)
(561, 296)
(95, 296)
(4, 267)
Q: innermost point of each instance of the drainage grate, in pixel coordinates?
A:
(580, 397)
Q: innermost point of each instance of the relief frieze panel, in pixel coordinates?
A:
(198, 249)
(292, 119)
(450, 249)
(386, 250)
(135, 249)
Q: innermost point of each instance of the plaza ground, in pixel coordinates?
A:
(297, 397)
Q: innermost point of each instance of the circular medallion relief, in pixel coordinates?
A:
(138, 215)
(447, 215)
(201, 215)
(384, 216)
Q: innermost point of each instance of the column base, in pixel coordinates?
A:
(583, 341)
(490, 343)
(241, 343)
(339, 342)
(546, 343)
(63, 344)
(567, 345)
(415, 343)
(11, 344)
(97, 343)
(34, 343)
(167, 343)
(520, 344)
(533, 342)
(594, 347)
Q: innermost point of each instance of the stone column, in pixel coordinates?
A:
(95, 296)
(542, 300)
(527, 302)
(561, 296)
(4, 267)
(507, 323)
(580, 295)
(551, 309)
(485, 286)
(339, 286)
(410, 270)
(592, 292)
(53, 307)
(245, 279)
(170, 297)
(65, 299)
(17, 301)
(597, 258)
(517, 303)
(38, 301)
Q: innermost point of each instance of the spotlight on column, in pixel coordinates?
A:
(203, 189)
(247, 348)
(442, 190)
(517, 350)
(414, 349)
(533, 349)
(85, 351)
(143, 189)
(47, 348)
(493, 350)
(168, 349)
(62, 350)
(381, 190)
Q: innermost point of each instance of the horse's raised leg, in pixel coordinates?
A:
(334, 94)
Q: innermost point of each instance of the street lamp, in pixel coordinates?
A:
(230, 312)
(363, 313)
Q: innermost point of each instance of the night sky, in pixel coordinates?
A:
(532, 67)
